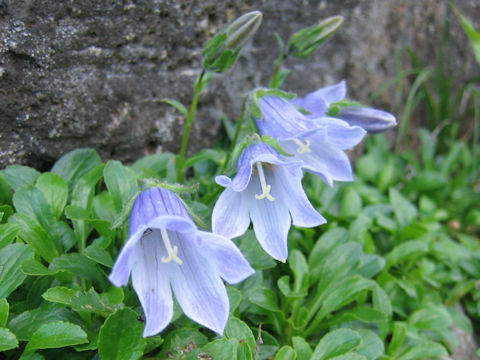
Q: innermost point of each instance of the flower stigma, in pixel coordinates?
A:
(265, 188)
(303, 147)
(171, 251)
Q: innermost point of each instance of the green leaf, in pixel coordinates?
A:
(60, 294)
(253, 252)
(433, 318)
(399, 333)
(336, 342)
(302, 348)
(78, 265)
(5, 190)
(121, 183)
(345, 293)
(19, 176)
(351, 203)
(36, 268)
(4, 307)
(372, 346)
(403, 209)
(237, 329)
(285, 353)
(55, 191)
(11, 256)
(360, 313)
(182, 341)
(425, 350)
(103, 227)
(408, 250)
(471, 32)
(217, 156)
(221, 349)
(177, 105)
(121, 337)
(350, 356)
(75, 164)
(265, 298)
(8, 232)
(32, 356)
(99, 255)
(35, 235)
(161, 165)
(56, 334)
(7, 340)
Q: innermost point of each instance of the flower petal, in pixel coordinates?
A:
(288, 181)
(340, 133)
(152, 285)
(318, 101)
(230, 214)
(281, 119)
(154, 202)
(325, 160)
(126, 260)
(198, 289)
(227, 259)
(271, 219)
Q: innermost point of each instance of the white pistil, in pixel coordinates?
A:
(171, 251)
(303, 148)
(265, 188)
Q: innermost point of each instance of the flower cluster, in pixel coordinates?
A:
(166, 252)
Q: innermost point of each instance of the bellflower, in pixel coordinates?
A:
(318, 142)
(267, 190)
(165, 252)
(372, 120)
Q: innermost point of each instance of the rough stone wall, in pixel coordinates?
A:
(91, 73)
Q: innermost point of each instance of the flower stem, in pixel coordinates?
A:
(235, 138)
(188, 126)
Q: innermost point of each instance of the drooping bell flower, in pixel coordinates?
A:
(318, 142)
(165, 252)
(267, 190)
(319, 102)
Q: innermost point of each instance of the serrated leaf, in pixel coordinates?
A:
(177, 105)
(75, 164)
(19, 176)
(7, 340)
(237, 329)
(25, 323)
(335, 343)
(220, 349)
(120, 337)
(56, 334)
(11, 256)
(99, 255)
(55, 191)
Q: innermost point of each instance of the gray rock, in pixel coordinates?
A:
(91, 74)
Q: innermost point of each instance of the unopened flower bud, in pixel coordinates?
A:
(222, 51)
(305, 42)
(372, 120)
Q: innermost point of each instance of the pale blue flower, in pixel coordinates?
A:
(267, 190)
(165, 252)
(372, 120)
(318, 142)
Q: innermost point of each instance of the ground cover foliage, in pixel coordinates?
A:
(389, 276)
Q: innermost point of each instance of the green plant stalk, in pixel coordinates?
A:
(476, 120)
(188, 126)
(235, 138)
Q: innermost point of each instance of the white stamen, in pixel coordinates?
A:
(302, 148)
(265, 188)
(171, 251)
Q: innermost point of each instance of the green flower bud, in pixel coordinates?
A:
(305, 42)
(221, 52)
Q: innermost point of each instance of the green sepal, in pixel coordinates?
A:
(253, 101)
(336, 107)
(274, 144)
